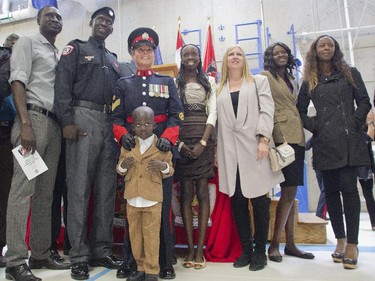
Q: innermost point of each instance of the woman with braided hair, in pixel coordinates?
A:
(198, 95)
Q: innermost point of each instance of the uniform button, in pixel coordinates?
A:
(327, 123)
(321, 95)
(144, 85)
(339, 105)
(144, 103)
(144, 77)
(144, 93)
(324, 108)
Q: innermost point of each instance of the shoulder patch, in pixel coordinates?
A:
(67, 50)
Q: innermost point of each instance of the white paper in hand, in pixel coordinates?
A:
(31, 164)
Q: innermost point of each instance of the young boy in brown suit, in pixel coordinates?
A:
(144, 167)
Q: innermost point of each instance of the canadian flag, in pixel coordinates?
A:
(209, 62)
(179, 44)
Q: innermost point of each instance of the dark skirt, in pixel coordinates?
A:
(191, 133)
(294, 172)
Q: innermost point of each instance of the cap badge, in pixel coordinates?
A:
(145, 36)
(110, 12)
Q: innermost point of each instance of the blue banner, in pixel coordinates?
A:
(158, 60)
(38, 4)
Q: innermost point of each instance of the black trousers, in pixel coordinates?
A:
(367, 190)
(261, 213)
(6, 173)
(343, 181)
(60, 192)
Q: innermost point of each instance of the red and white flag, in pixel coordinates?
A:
(209, 62)
(179, 44)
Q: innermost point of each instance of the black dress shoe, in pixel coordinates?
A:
(137, 276)
(56, 256)
(110, 262)
(167, 272)
(304, 255)
(80, 271)
(126, 270)
(47, 263)
(258, 261)
(243, 260)
(151, 277)
(20, 273)
(2, 262)
(174, 260)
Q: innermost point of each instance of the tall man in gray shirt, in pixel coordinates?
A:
(32, 80)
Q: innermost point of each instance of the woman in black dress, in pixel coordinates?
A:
(196, 146)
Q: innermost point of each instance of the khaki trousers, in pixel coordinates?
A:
(144, 229)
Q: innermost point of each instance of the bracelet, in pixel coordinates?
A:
(203, 142)
(370, 123)
(180, 146)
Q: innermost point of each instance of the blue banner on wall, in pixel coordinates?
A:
(38, 4)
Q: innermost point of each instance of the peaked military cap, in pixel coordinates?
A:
(143, 35)
(107, 11)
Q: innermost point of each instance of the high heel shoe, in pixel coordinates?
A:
(349, 263)
(337, 257)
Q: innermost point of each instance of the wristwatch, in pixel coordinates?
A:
(264, 139)
(203, 142)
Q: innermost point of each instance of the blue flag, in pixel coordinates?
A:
(158, 60)
(38, 4)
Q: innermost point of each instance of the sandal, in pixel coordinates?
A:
(200, 265)
(188, 264)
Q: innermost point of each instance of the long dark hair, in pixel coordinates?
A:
(269, 63)
(311, 67)
(201, 76)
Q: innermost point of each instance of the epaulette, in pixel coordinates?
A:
(78, 41)
(126, 77)
(161, 75)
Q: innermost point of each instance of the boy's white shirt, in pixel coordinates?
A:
(140, 202)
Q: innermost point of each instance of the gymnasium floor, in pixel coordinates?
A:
(291, 269)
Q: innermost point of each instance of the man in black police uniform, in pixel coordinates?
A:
(85, 80)
(158, 92)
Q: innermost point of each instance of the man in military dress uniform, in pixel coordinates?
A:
(158, 92)
(85, 79)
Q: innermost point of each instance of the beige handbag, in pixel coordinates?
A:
(281, 156)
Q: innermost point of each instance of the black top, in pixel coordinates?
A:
(234, 96)
(86, 71)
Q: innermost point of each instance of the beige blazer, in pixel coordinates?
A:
(237, 139)
(287, 121)
(138, 180)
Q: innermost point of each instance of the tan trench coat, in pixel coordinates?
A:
(237, 139)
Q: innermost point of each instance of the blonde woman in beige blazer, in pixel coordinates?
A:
(245, 124)
(279, 64)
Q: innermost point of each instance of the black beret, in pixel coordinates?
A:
(143, 35)
(104, 11)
